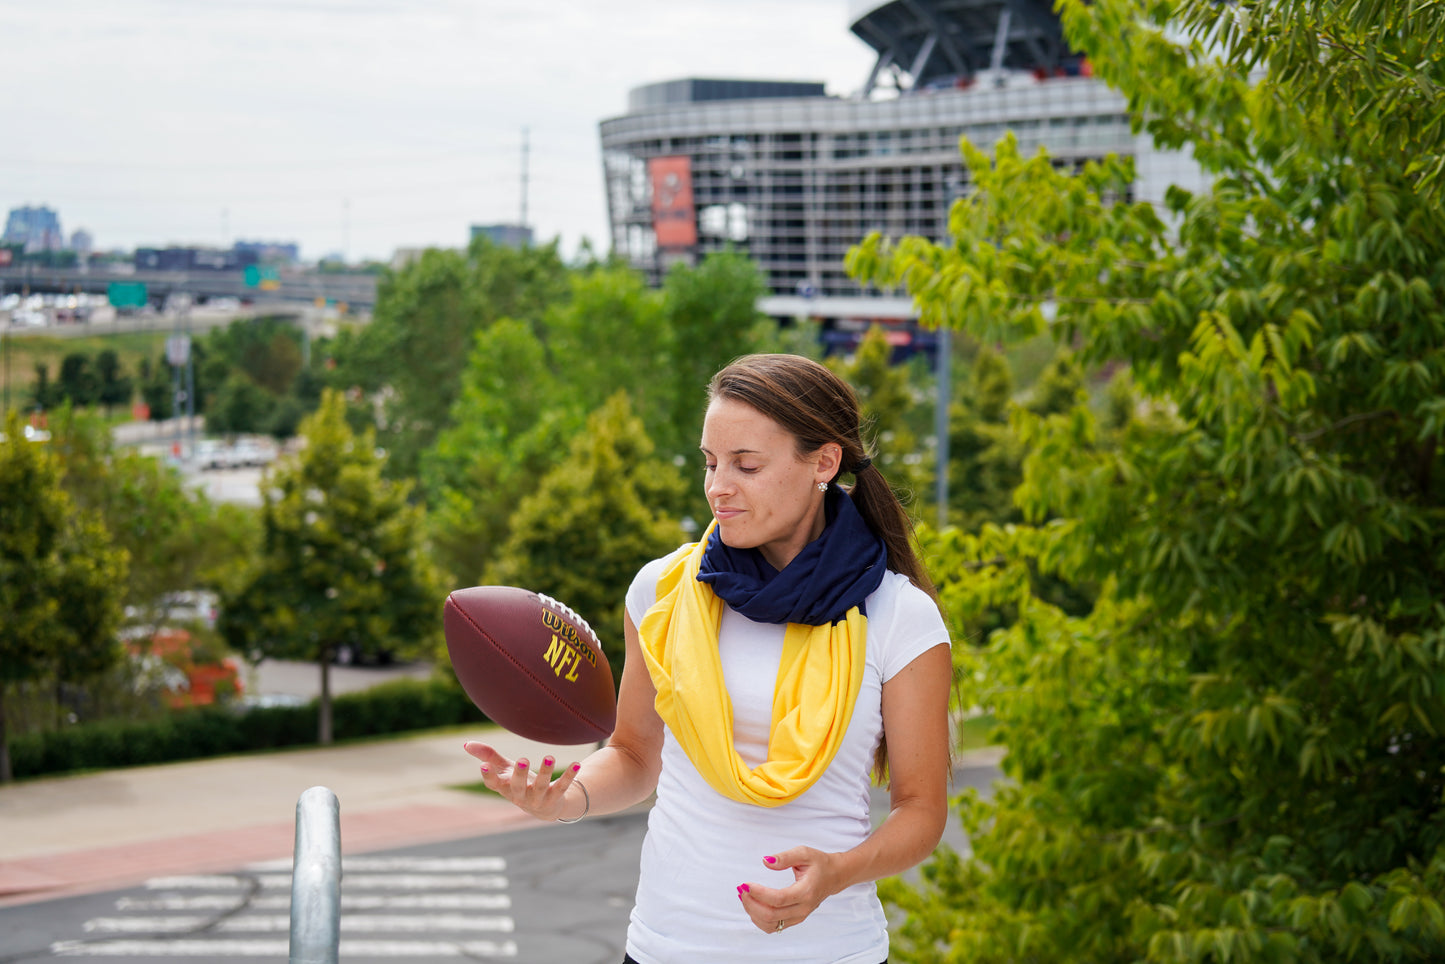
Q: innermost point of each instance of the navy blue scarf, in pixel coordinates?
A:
(833, 573)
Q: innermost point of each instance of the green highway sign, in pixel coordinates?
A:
(126, 294)
(265, 277)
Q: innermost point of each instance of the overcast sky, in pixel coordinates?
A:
(359, 125)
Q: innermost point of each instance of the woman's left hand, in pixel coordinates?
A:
(814, 880)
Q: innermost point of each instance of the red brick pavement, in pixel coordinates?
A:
(46, 877)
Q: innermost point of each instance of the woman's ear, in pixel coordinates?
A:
(830, 460)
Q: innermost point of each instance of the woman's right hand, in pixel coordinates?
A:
(533, 791)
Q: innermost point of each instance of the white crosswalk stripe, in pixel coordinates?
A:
(348, 902)
(391, 907)
(276, 923)
(278, 949)
(354, 881)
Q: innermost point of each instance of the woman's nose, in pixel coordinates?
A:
(716, 483)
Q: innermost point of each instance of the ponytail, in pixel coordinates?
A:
(885, 515)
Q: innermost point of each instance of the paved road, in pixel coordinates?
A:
(174, 440)
(543, 895)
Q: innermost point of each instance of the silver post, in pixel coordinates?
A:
(316, 879)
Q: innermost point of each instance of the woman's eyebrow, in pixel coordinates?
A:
(705, 451)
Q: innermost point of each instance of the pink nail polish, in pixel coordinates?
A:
(743, 889)
(770, 860)
(576, 767)
(486, 769)
(547, 761)
(521, 764)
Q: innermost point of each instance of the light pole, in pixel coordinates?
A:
(943, 362)
(183, 385)
(6, 335)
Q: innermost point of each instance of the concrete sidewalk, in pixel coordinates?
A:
(80, 834)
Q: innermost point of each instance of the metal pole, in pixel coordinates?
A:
(177, 381)
(190, 385)
(940, 421)
(316, 879)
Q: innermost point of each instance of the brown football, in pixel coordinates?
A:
(531, 664)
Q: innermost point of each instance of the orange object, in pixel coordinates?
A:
(674, 219)
(202, 679)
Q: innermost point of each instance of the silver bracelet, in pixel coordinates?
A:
(586, 802)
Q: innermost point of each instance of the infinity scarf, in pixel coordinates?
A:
(819, 596)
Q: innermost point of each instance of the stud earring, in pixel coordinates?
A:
(822, 486)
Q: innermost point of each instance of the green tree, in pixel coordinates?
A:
(60, 578)
(285, 418)
(115, 387)
(1236, 755)
(511, 425)
(593, 521)
(174, 537)
(711, 317)
(528, 389)
(155, 389)
(985, 458)
(891, 405)
(423, 329)
(342, 559)
(78, 383)
(42, 393)
(1373, 69)
(611, 332)
(266, 350)
(240, 405)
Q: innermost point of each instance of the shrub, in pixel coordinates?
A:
(394, 707)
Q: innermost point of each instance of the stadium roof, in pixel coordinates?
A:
(934, 42)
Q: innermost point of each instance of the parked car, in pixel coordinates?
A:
(196, 606)
(32, 434)
(252, 453)
(212, 453)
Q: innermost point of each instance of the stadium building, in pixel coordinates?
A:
(794, 177)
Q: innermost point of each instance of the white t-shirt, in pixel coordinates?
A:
(701, 845)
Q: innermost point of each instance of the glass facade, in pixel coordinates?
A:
(794, 178)
(796, 182)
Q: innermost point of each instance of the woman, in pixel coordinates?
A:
(765, 664)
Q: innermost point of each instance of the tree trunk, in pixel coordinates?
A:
(5, 774)
(323, 706)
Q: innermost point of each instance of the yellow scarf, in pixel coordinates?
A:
(818, 682)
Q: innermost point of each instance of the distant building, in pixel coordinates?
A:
(266, 252)
(185, 259)
(82, 242)
(794, 178)
(402, 257)
(37, 228)
(504, 235)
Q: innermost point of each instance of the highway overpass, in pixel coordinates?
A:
(357, 291)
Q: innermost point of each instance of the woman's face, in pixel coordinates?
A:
(762, 494)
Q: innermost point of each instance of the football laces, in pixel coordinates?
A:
(570, 613)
